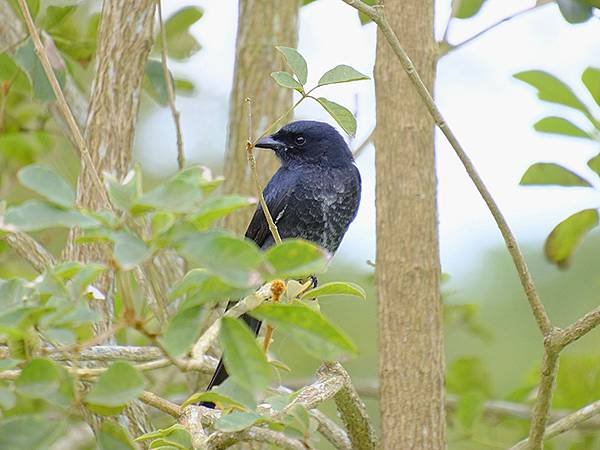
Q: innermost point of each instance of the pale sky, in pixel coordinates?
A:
(491, 113)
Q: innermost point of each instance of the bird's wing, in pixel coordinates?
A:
(277, 194)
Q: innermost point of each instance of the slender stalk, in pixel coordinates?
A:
(448, 47)
(252, 163)
(170, 90)
(61, 101)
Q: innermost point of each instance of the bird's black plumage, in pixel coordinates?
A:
(314, 195)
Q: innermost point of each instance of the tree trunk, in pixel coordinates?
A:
(124, 42)
(262, 25)
(411, 366)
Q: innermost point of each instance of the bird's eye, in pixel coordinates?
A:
(300, 140)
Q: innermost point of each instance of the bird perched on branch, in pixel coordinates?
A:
(314, 195)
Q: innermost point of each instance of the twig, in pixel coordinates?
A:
(160, 403)
(331, 431)
(578, 328)
(352, 410)
(259, 188)
(248, 303)
(544, 398)
(448, 47)
(61, 101)
(565, 424)
(170, 91)
(30, 250)
(219, 440)
(363, 145)
(377, 15)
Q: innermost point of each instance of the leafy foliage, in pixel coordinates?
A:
(298, 78)
(565, 237)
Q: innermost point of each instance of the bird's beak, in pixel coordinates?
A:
(268, 142)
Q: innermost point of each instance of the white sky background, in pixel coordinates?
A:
(491, 113)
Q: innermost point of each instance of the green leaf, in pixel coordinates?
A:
(591, 79)
(112, 436)
(161, 222)
(578, 381)
(46, 380)
(184, 87)
(565, 237)
(120, 384)
(244, 359)
(8, 399)
(36, 215)
(558, 125)
(7, 364)
(182, 193)
(26, 57)
(575, 11)
(341, 115)
(237, 421)
(175, 437)
(234, 260)
(180, 43)
(551, 89)
(38, 379)
(33, 5)
(469, 408)
(594, 164)
(467, 8)
(295, 62)
(221, 400)
(23, 432)
(313, 332)
(336, 288)
(183, 331)
(468, 374)
(124, 194)
(129, 250)
(296, 258)
(154, 83)
(217, 207)
(286, 80)
(341, 74)
(551, 174)
(48, 184)
(55, 15)
(201, 286)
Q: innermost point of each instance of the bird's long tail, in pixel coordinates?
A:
(221, 374)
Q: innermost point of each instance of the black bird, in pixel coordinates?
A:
(314, 195)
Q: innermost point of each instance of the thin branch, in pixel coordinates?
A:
(352, 410)
(220, 440)
(252, 163)
(364, 144)
(30, 250)
(539, 312)
(170, 91)
(565, 424)
(61, 101)
(161, 404)
(248, 303)
(331, 431)
(578, 328)
(448, 47)
(543, 400)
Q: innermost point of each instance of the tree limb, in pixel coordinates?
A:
(30, 250)
(565, 424)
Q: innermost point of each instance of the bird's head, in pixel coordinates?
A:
(308, 142)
